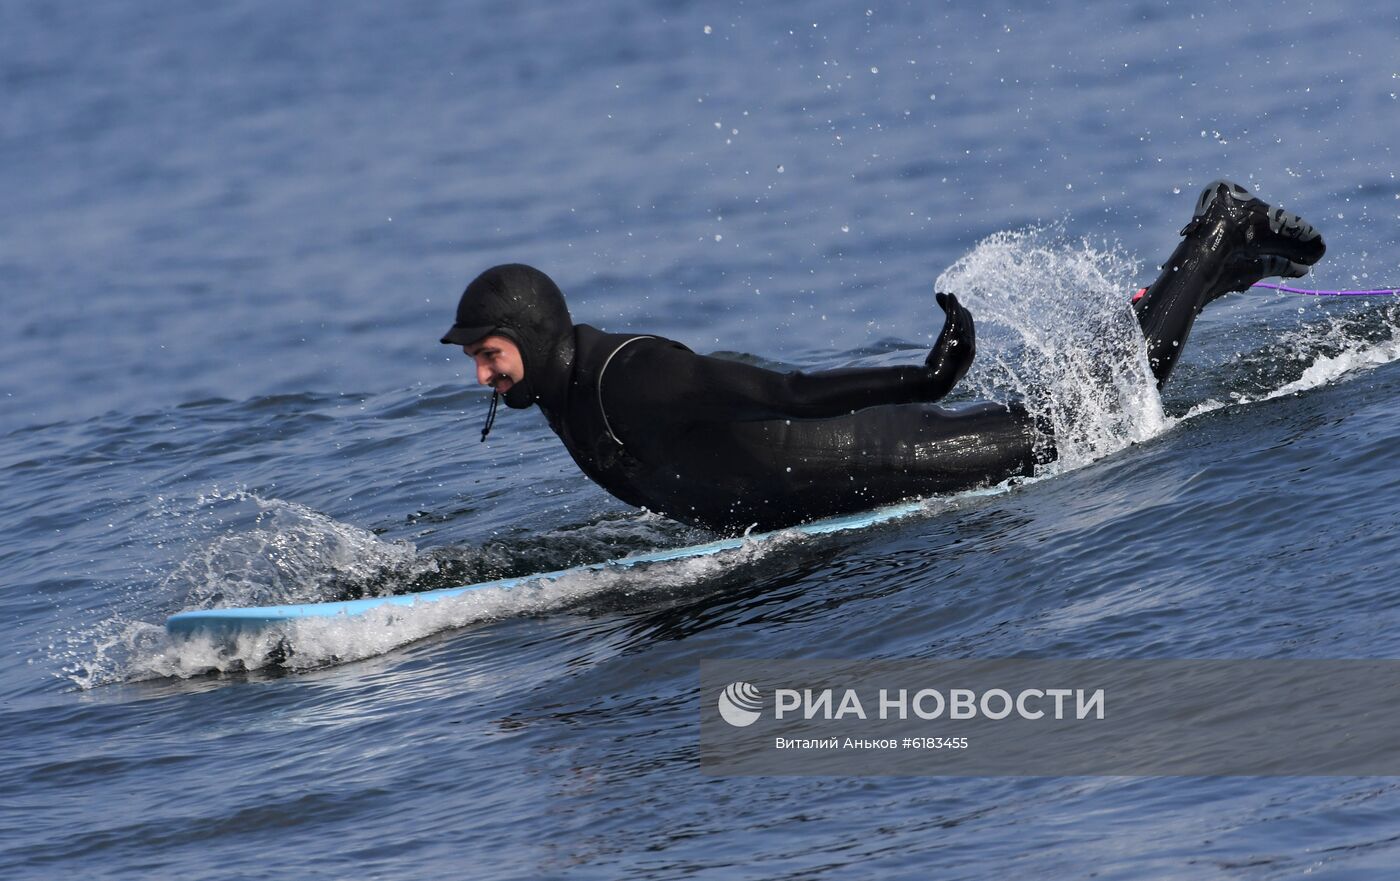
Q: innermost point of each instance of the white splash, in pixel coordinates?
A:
(1332, 349)
(1355, 355)
(245, 550)
(292, 554)
(1056, 329)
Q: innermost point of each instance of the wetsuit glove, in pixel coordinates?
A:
(954, 350)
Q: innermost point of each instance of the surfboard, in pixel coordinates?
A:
(234, 620)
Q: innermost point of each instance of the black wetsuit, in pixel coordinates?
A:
(728, 445)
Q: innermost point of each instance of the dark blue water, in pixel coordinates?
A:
(234, 233)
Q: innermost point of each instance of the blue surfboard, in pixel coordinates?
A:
(217, 622)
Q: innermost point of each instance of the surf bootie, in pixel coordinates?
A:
(1263, 241)
(1233, 240)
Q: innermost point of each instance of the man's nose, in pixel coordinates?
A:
(483, 373)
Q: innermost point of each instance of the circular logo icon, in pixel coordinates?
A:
(740, 704)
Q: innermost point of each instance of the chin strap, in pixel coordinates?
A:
(491, 414)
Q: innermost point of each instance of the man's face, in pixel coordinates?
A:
(498, 362)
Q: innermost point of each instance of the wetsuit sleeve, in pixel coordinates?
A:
(704, 389)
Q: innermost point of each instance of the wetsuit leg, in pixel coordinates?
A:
(809, 469)
(1168, 307)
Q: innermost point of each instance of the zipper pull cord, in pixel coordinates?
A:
(490, 415)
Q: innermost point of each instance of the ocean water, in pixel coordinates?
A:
(234, 233)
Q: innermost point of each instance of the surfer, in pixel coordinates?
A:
(728, 445)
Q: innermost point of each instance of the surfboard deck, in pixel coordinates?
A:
(255, 618)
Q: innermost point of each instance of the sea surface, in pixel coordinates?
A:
(234, 232)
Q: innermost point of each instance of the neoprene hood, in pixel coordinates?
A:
(524, 305)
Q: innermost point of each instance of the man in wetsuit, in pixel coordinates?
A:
(728, 446)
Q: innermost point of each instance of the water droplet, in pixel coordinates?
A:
(709, 30)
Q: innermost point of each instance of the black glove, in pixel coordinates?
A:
(954, 350)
